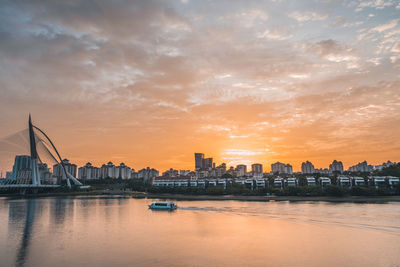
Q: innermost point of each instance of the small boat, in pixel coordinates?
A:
(163, 206)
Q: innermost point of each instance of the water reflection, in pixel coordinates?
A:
(16, 216)
(111, 231)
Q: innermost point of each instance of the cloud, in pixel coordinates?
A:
(307, 16)
(173, 77)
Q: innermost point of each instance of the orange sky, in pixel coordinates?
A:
(150, 83)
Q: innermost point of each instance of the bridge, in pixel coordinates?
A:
(34, 182)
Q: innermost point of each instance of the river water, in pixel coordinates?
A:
(119, 231)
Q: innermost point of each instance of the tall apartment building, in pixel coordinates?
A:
(208, 163)
(122, 171)
(241, 170)
(21, 162)
(198, 158)
(257, 170)
(220, 170)
(107, 170)
(307, 167)
(361, 167)
(148, 174)
(281, 168)
(58, 171)
(88, 172)
(336, 166)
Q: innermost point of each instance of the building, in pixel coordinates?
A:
(310, 181)
(324, 181)
(292, 181)
(184, 172)
(198, 158)
(281, 168)
(220, 170)
(122, 171)
(307, 167)
(361, 167)
(88, 172)
(257, 170)
(208, 163)
(21, 162)
(58, 171)
(336, 166)
(45, 174)
(384, 165)
(107, 170)
(344, 181)
(171, 173)
(8, 175)
(148, 174)
(241, 170)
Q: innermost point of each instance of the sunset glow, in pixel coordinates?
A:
(149, 83)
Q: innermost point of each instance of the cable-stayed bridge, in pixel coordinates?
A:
(37, 137)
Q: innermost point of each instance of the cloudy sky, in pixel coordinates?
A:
(149, 83)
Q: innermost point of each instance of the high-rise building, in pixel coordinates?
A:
(107, 170)
(21, 162)
(122, 171)
(208, 163)
(307, 167)
(88, 172)
(220, 170)
(241, 170)
(58, 171)
(281, 168)
(257, 170)
(148, 174)
(336, 166)
(384, 165)
(198, 158)
(361, 167)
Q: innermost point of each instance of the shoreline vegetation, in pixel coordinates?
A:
(185, 197)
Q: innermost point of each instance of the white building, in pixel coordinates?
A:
(361, 167)
(257, 170)
(311, 181)
(241, 170)
(88, 172)
(279, 182)
(336, 166)
(281, 168)
(358, 181)
(324, 181)
(291, 181)
(307, 168)
(344, 181)
(58, 171)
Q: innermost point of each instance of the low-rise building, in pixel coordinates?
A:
(291, 182)
(279, 182)
(377, 181)
(344, 181)
(358, 181)
(311, 181)
(324, 181)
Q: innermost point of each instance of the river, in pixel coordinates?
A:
(122, 231)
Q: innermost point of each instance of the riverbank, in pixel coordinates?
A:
(177, 197)
(352, 199)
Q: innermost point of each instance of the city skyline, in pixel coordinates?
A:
(148, 83)
(306, 167)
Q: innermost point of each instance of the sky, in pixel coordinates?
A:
(149, 83)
